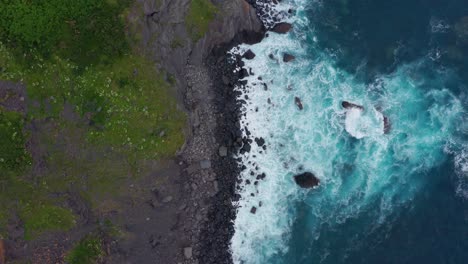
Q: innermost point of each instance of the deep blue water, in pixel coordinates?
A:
(396, 197)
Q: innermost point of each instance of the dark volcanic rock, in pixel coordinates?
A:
(249, 55)
(288, 57)
(306, 180)
(253, 210)
(282, 28)
(260, 141)
(387, 125)
(349, 105)
(298, 102)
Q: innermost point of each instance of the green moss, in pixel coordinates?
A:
(44, 217)
(88, 251)
(199, 16)
(143, 119)
(13, 154)
(177, 43)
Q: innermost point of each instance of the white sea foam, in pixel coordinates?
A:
(358, 165)
(360, 123)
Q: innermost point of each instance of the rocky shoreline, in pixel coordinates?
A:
(213, 180)
(206, 77)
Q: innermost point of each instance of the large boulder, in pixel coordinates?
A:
(306, 180)
(282, 28)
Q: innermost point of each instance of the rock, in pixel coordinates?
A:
(249, 55)
(348, 105)
(306, 180)
(298, 102)
(282, 28)
(246, 147)
(253, 210)
(225, 80)
(188, 252)
(167, 199)
(288, 57)
(387, 125)
(162, 134)
(223, 151)
(260, 141)
(154, 242)
(205, 164)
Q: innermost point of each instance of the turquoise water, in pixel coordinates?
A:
(396, 197)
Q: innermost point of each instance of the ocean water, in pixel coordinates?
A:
(396, 196)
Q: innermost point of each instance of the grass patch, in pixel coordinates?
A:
(13, 154)
(85, 31)
(88, 251)
(44, 217)
(199, 16)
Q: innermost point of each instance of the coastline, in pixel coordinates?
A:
(217, 135)
(210, 168)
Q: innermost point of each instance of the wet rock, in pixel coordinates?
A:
(298, 102)
(282, 28)
(260, 141)
(246, 147)
(348, 105)
(306, 180)
(387, 125)
(188, 252)
(253, 210)
(249, 55)
(288, 57)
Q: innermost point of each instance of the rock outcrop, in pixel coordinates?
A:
(306, 180)
(348, 105)
(282, 28)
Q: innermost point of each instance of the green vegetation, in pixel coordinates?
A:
(88, 251)
(13, 155)
(75, 54)
(43, 217)
(85, 31)
(200, 14)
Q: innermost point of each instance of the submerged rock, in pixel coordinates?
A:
(282, 28)
(288, 57)
(306, 180)
(348, 105)
(387, 125)
(298, 102)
